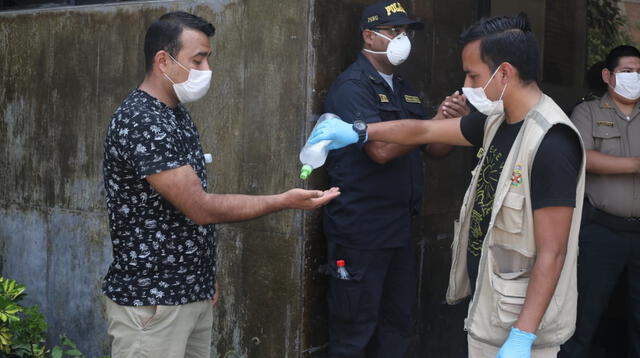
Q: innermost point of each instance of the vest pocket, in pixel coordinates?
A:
(509, 296)
(511, 213)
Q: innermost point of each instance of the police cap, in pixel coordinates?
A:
(387, 13)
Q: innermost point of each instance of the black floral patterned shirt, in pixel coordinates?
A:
(160, 257)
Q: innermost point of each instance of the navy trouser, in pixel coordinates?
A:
(603, 256)
(371, 315)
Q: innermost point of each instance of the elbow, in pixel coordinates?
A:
(379, 156)
(380, 159)
(197, 213)
(199, 218)
(553, 259)
(438, 151)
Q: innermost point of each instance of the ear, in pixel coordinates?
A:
(606, 77)
(367, 38)
(507, 71)
(161, 60)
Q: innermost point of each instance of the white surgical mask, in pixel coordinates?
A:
(628, 85)
(398, 48)
(478, 98)
(194, 88)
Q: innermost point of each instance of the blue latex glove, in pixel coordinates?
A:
(517, 345)
(339, 132)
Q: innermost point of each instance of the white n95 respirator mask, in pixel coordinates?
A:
(398, 48)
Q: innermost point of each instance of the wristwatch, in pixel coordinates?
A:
(360, 127)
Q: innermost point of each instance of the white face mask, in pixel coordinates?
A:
(398, 48)
(478, 98)
(194, 88)
(628, 85)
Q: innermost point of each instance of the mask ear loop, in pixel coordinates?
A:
(179, 64)
(504, 89)
(490, 78)
(170, 80)
(377, 52)
(493, 75)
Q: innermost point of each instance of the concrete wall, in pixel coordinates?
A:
(65, 70)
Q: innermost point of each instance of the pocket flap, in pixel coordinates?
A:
(513, 200)
(605, 131)
(512, 288)
(415, 109)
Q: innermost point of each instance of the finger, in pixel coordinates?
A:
(316, 137)
(311, 194)
(331, 191)
(458, 108)
(326, 198)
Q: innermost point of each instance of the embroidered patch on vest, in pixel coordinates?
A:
(604, 123)
(412, 99)
(383, 98)
(516, 176)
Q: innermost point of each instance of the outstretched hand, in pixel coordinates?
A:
(309, 199)
(339, 132)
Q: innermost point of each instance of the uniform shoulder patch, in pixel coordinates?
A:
(383, 98)
(412, 99)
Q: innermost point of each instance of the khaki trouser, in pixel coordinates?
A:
(160, 331)
(478, 349)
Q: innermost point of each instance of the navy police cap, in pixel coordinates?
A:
(387, 13)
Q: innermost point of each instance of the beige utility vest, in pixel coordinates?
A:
(509, 250)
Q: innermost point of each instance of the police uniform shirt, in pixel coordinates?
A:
(377, 200)
(607, 130)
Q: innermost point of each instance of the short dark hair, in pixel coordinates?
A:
(506, 39)
(164, 34)
(613, 58)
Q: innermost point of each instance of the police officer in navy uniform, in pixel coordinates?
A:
(368, 227)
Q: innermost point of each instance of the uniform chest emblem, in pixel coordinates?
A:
(604, 123)
(516, 176)
(383, 98)
(412, 99)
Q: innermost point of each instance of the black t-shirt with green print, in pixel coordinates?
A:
(553, 176)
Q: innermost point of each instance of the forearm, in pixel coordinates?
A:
(600, 163)
(542, 284)
(218, 208)
(406, 132)
(382, 152)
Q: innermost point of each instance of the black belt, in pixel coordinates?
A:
(614, 222)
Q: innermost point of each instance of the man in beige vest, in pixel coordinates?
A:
(610, 235)
(515, 245)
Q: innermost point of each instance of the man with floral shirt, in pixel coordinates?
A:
(161, 283)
